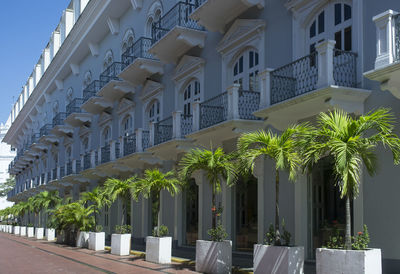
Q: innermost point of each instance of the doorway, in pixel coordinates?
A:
(190, 213)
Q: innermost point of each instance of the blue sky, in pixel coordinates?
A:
(25, 29)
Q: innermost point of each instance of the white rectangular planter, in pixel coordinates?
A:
(50, 234)
(97, 240)
(83, 239)
(30, 232)
(214, 257)
(120, 244)
(335, 261)
(39, 233)
(278, 259)
(16, 230)
(22, 231)
(10, 229)
(158, 250)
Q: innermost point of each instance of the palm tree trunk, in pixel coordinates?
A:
(347, 244)
(277, 233)
(123, 212)
(214, 215)
(159, 214)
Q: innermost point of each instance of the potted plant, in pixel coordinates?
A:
(121, 240)
(30, 231)
(352, 143)
(22, 231)
(217, 165)
(97, 239)
(158, 246)
(42, 202)
(283, 150)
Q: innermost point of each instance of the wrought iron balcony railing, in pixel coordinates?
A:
(179, 15)
(92, 89)
(54, 175)
(75, 106)
(186, 124)
(397, 37)
(45, 130)
(345, 68)
(105, 154)
(62, 171)
(163, 131)
(78, 167)
(146, 139)
(138, 50)
(42, 176)
(130, 144)
(111, 73)
(86, 161)
(249, 102)
(214, 110)
(48, 177)
(58, 120)
(35, 138)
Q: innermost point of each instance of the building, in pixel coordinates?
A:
(7, 154)
(127, 85)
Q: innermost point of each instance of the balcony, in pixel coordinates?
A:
(91, 102)
(387, 62)
(60, 129)
(105, 154)
(113, 88)
(75, 116)
(46, 137)
(225, 116)
(319, 82)
(214, 15)
(140, 64)
(175, 33)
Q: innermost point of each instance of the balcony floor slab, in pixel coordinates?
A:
(141, 69)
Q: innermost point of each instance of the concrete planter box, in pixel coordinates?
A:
(31, 232)
(22, 231)
(278, 259)
(83, 239)
(39, 233)
(10, 229)
(158, 250)
(335, 261)
(96, 240)
(50, 234)
(17, 230)
(120, 244)
(213, 257)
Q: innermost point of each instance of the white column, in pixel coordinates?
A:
(325, 63)
(113, 155)
(176, 124)
(196, 116)
(233, 102)
(92, 159)
(265, 86)
(227, 206)
(205, 203)
(139, 140)
(152, 133)
(385, 34)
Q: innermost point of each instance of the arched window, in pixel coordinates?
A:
(154, 111)
(245, 70)
(190, 95)
(128, 40)
(334, 22)
(106, 137)
(69, 154)
(127, 126)
(153, 15)
(108, 59)
(88, 79)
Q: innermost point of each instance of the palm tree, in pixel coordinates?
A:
(152, 183)
(97, 198)
(216, 164)
(115, 188)
(20, 209)
(45, 200)
(31, 206)
(352, 143)
(282, 149)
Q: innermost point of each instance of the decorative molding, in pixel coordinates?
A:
(113, 24)
(59, 84)
(241, 30)
(150, 89)
(94, 49)
(74, 68)
(186, 66)
(137, 4)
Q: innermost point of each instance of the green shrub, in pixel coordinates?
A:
(99, 228)
(161, 231)
(218, 234)
(30, 225)
(122, 229)
(270, 236)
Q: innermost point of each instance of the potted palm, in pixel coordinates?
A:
(120, 189)
(352, 143)
(121, 240)
(30, 230)
(158, 246)
(213, 256)
(97, 199)
(283, 151)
